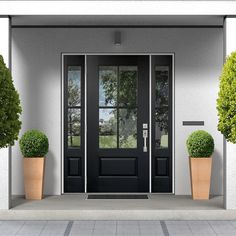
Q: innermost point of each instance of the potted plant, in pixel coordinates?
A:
(200, 145)
(34, 146)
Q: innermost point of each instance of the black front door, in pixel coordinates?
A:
(118, 115)
(117, 123)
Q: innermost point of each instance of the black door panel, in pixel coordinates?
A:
(117, 108)
(162, 124)
(73, 124)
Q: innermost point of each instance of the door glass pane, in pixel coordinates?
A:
(107, 85)
(74, 86)
(162, 85)
(128, 128)
(128, 78)
(107, 128)
(161, 106)
(74, 127)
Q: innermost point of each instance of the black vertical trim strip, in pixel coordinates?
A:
(118, 107)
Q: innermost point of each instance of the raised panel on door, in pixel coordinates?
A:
(117, 108)
(162, 123)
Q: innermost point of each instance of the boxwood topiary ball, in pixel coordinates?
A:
(200, 144)
(34, 143)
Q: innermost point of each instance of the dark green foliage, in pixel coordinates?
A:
(226, 102)
(34, 144)
(200, 144)
(10, 108)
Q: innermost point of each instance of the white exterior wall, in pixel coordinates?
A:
(36, 59)
(230, 161)
(5, 169)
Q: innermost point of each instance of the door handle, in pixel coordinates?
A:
(145, 136)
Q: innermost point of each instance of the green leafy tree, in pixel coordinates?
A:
(226, 102)
(10, 108)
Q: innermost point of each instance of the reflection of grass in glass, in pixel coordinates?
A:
(75, 141)
(130, 142)
(107, 141)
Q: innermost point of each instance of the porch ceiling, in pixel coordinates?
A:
(117, 20)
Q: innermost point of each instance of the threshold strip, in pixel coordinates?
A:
(117, 196)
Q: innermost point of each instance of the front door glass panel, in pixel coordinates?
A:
(118, 106)
(107, 128)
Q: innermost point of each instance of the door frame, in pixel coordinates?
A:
(172, 54)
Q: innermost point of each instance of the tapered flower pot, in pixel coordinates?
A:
(200, 171)
(34, 177)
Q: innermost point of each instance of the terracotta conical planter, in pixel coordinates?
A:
(200, 171)
(34, 177)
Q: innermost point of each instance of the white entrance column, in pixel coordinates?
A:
(230, 157)
(5, 167)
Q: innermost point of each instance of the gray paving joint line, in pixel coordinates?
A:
(68, 228)
(164, 228)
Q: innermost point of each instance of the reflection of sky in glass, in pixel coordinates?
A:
(74, 74)
(106, 114)
(74, 85)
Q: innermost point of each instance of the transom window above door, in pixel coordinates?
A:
(118, 106)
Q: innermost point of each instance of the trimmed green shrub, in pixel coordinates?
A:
(226, 102)
(34, 143)
(200, 144)
(10, 108)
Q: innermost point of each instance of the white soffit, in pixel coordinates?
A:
(117, 20)
(118, 7)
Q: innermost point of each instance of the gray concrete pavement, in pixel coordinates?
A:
(117, 228)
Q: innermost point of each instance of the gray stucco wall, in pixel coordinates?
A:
(36, 60)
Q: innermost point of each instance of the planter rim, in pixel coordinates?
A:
(201, 157)
(33, 157)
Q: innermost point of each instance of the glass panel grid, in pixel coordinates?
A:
(74, 127)
(118, 106)
(74, 106)
(161, 106)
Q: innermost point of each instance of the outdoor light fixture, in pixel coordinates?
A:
(117, 40)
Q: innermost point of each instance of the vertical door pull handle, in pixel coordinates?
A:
(145, 136)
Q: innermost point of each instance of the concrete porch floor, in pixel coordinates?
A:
(157, 207)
